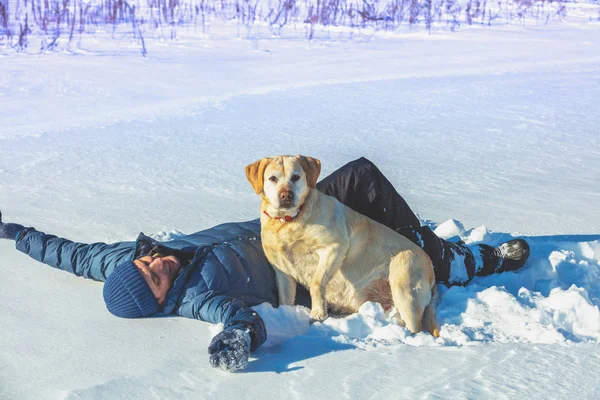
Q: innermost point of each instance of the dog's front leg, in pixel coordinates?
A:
(286, 288)
(330, 261)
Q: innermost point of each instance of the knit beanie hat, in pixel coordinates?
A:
(127, 295)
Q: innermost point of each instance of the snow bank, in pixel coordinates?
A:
(553, 299)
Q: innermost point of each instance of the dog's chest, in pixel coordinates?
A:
(296, 258)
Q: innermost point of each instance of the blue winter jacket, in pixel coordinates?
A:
(227, 270)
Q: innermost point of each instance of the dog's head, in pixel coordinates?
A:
(284, 181)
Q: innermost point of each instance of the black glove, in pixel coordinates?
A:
(9, 231)
(230, 349)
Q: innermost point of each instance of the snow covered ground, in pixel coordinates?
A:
(493, 126)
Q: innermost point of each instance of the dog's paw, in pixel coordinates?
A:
(318, 315)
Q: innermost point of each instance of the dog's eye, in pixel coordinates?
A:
(295, 178)
(273, 179)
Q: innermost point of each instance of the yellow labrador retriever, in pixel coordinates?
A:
(341, 256)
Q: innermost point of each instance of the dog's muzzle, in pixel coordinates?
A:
(286, 199)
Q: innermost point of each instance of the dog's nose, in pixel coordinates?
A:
(286, 195)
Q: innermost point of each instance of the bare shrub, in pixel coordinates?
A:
(282, 14)
(414, 11)
(4, 15)
(23, 32)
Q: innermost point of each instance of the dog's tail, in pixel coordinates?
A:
(429, 318)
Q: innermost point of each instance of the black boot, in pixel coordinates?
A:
(509, 256)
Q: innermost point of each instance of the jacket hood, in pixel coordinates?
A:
(232, 254)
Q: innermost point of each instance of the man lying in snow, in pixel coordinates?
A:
(217, 274)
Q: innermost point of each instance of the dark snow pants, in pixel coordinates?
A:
(361, 186)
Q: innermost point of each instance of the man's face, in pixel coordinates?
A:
(159, 272)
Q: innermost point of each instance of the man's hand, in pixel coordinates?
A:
(230, 349)
(9, 231)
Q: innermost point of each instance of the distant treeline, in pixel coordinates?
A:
(65, 22)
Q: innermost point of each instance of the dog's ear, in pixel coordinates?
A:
(255, 173)
(312, 167)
